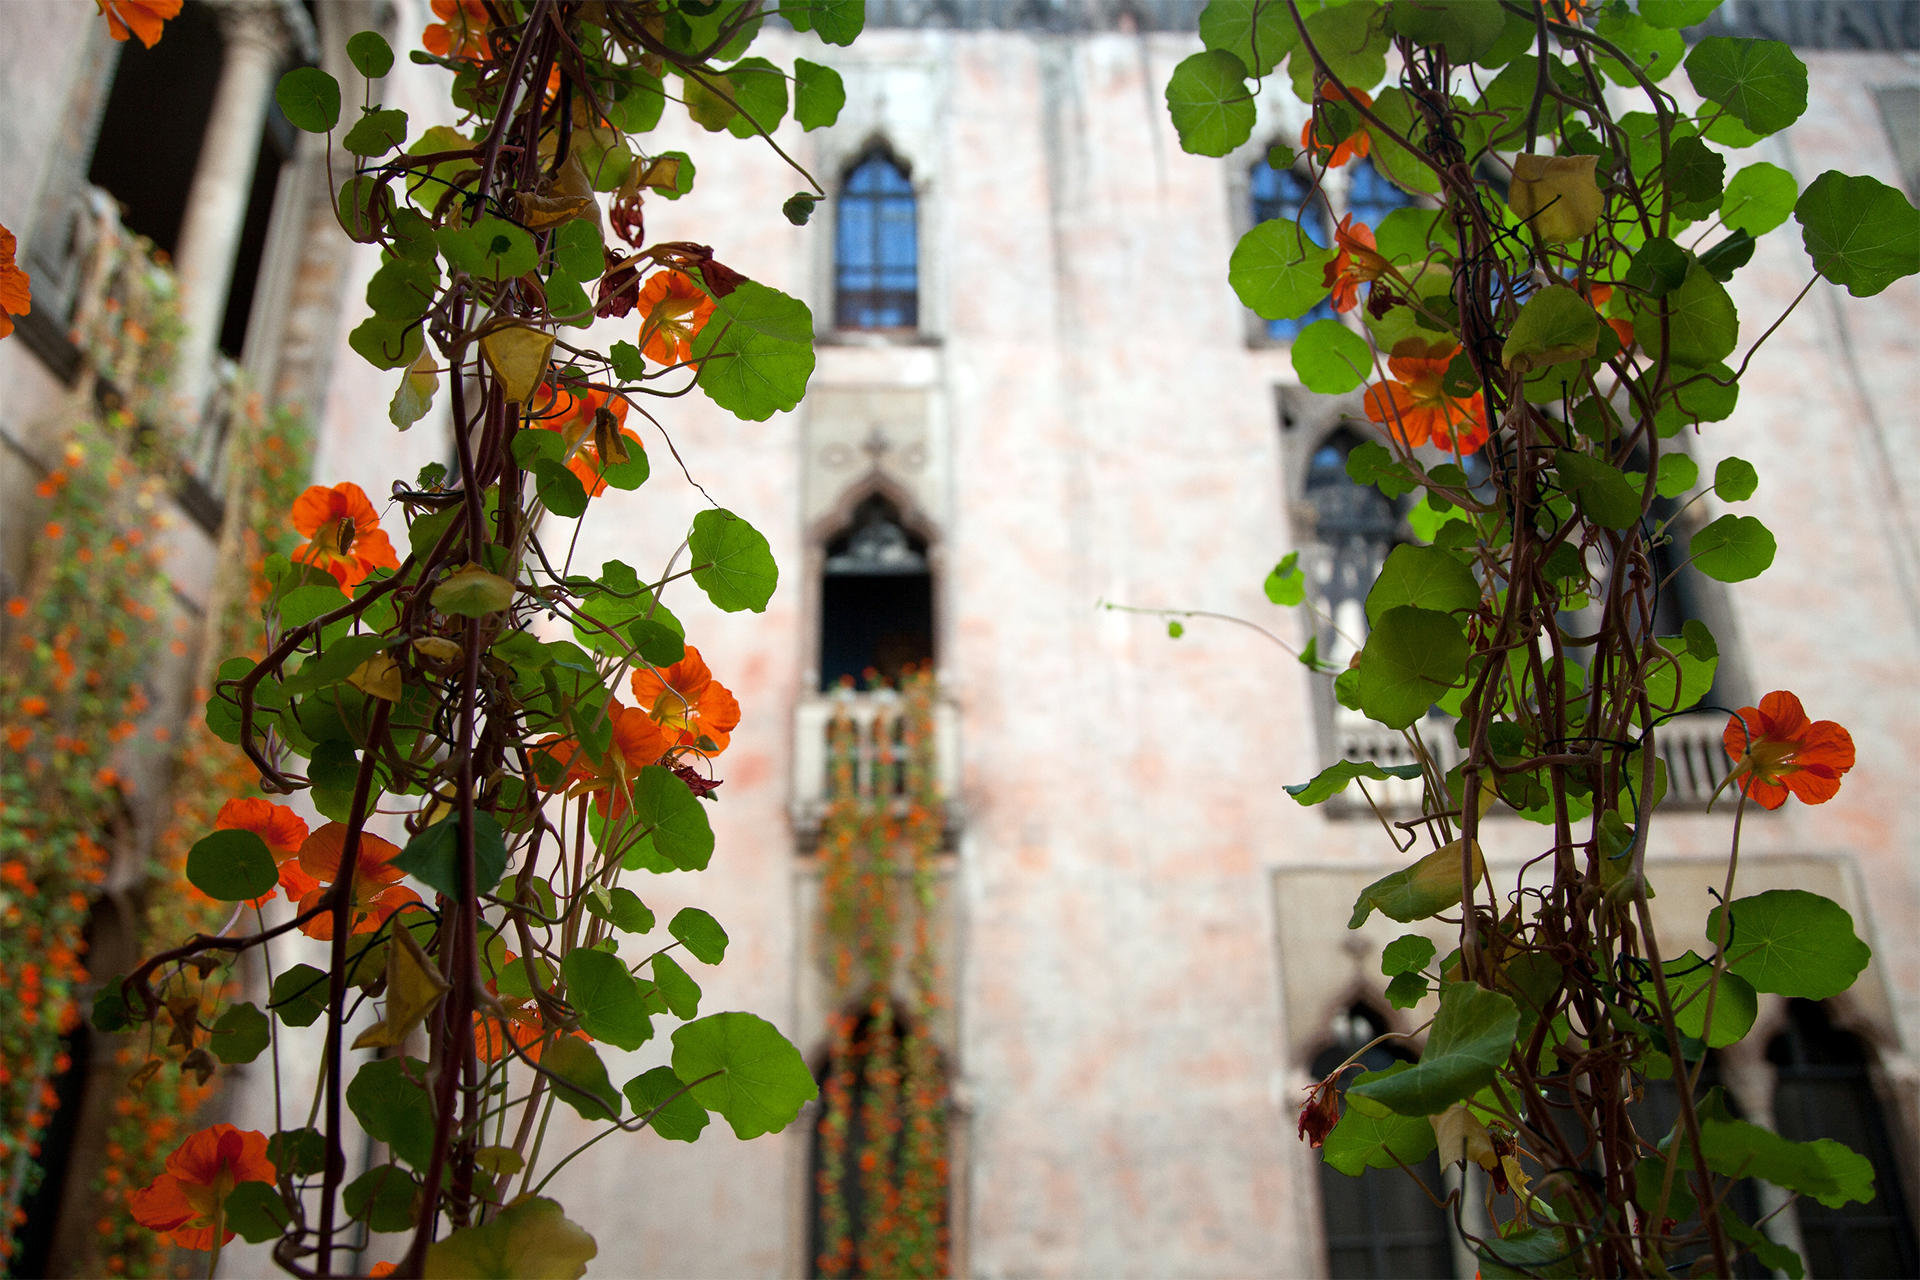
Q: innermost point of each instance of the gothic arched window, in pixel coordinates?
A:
(876, 598)
(876, 248)
(1380, 1223)
(1286, 193)
(1355, 525)
(1823, 1089)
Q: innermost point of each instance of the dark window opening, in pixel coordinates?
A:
(1823, 1089)
(1357, 525)
(277, 142)
(1380, 1223)
(877, 248)
(147, 151)
(1370, 197)
(1286, 193)
(876, 599)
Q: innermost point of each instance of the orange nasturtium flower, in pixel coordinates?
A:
(1358, 263)
(637, 743)
(377, 892)
(461, 32)
(674, 309)
(344, 533)
(688, 703)
(185, 1201)
(142, 18)
(1776, 750)
(1415, 408)
(16, 289)
(283, 832)
(589, 439)
(1354, 144)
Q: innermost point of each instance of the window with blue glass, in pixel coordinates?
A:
(1286, 193)
(1370, 197)
(877, 248)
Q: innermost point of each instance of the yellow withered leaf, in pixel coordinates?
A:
(518, 356)
(377, 677)
(1555, 195)
(414, 987)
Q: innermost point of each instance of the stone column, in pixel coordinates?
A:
(255, 44)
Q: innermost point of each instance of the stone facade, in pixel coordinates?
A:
(1144, 935)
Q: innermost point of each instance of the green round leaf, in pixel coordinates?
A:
(702, 935)
(755, 352)
(1286, 585)
(583, 1083)
(1676, 14)
(491, 248)
(732, 562)
(1464, 28)
(743, 1070)
(255, 1212)
(382, 1198)
(1678, 474)
(1352, 42)
(760, 91)
(1425, 577)
(1759, 198)
(1759, 82)
(1792, 943)
(1829, 1171)
(393, 1108)
(1412, 658)
(239, 1034)
(370, 54)
(676, 822)
(1602, 491)
(818, 94)
(1278, 271)
(1859, 232)
(664, 1097)
(310, 99)
(610, 1003)
(1374, 1137)
(1733, 549)
(622, 909)
(376, 132)
(675, 987)
(1332, 780)
(1471, 1038)
(1702, 326)
(1555, 325)
(1331, 358)
(433, 856)
(1257, 32)
(299, 995)
(1735, 480)
(1211, 106)
(232, 866)
(1408, 953)
(530, 1239)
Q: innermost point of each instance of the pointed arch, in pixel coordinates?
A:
(876, 587)
(1380, 1223)
(876, 243)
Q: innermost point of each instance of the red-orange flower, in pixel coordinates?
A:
(1415, 408)
(1357, 263)
(142, 18)
(461, 32)
(16, 290)
(282, 830)
(343, 532)
(185, 1201)
(1354, 144)
(578, 419)
(377, 892)
(1622, 327)
(674, 309)
(637, 743)
(688, 703)
(1776, 750)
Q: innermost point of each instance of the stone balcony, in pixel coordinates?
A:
(879, 758)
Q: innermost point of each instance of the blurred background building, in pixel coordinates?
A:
(1034, 394)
